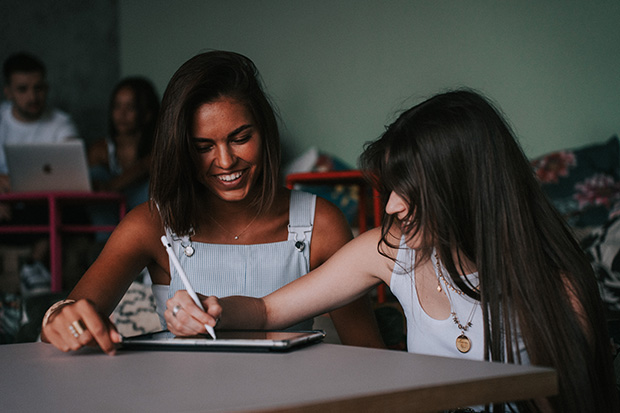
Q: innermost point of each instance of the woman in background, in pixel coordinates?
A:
(121, 161)
(216, 195)
(482, 264)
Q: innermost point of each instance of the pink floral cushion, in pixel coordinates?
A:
(583, 183)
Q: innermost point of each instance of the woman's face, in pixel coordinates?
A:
(124, 112)
(229, 146)
(399, 207)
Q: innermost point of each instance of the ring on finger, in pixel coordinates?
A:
(175, 310)
(73, 331)
(79, 327)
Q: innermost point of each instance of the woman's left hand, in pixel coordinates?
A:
(185, 318)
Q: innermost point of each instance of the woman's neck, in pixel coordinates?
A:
(223, 210)
(225, 221)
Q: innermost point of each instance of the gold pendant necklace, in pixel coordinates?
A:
(236, 237)
(463, 343)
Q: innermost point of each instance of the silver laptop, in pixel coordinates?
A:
(227, 340)
(48, 166)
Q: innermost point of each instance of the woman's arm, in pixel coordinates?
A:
(132, 246)
(98, 153)
(345, 277)
(356, 323)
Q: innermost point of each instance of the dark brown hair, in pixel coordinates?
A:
(203, 79)
(21, 62)
(471, 189)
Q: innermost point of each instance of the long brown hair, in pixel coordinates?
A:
(470, 188)
(202, 79)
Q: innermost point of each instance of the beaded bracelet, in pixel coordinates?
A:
(55, 307)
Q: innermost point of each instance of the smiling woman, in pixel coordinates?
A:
(215, 193)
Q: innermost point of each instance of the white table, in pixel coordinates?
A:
(323, 377)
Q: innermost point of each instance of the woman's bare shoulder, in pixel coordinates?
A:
(330, 232)
(144, 221)
(328, 211)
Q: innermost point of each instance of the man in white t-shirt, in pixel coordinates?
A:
(25, 117)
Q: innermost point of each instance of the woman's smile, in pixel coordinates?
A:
(229, 178)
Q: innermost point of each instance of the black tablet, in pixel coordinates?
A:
(227, 340)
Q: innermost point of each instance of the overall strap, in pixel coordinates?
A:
(301, 218)
(179, 244)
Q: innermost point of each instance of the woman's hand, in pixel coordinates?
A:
(78, 324)
(185, 318)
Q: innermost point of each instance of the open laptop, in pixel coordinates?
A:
(48, 166)
(227, 340)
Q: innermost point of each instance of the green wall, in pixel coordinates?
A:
(340, 70)
(78, 42)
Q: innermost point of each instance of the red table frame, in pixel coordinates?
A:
(352, 177)
(55, 227)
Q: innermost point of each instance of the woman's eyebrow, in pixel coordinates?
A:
(230, 135)
(239, 130)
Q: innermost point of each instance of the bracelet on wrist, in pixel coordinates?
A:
(55, 307)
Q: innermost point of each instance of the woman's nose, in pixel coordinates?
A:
(225, 157)
(396, 205)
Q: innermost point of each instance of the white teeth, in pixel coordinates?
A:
(228, 178)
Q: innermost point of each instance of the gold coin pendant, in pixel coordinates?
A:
(463, 343)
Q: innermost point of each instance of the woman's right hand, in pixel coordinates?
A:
(185, 318)
(78, 324)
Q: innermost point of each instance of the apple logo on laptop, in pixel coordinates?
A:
(47, 168)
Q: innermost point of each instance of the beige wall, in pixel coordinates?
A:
(340, 70)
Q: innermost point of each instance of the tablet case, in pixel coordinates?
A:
(227, 340)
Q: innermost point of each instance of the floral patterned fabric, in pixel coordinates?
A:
(603, 248)
(583, 183)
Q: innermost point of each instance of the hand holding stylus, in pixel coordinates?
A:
(188, 286)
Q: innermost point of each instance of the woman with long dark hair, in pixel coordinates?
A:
(482, 264)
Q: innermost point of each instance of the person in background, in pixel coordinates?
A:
(483, 265)
(121, 161)
(216, 194)
(25, 117)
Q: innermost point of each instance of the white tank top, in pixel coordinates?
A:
(426, 335)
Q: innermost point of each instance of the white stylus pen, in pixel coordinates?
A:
(188, 286)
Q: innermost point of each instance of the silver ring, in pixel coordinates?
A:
(175, 310)
(72, 330)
